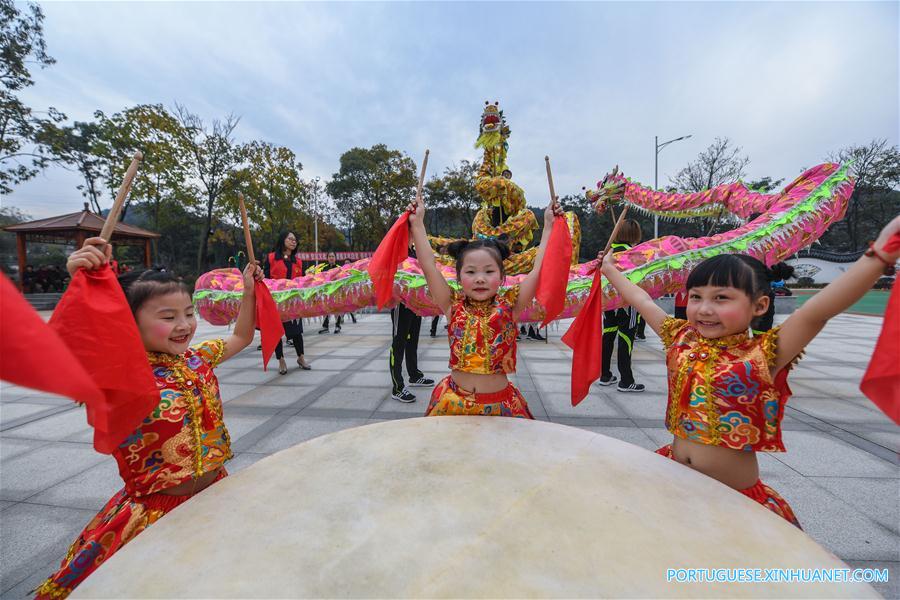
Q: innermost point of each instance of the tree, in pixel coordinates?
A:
(875, 200)
(77, 146)
(214, 155)
(162, 179)
(765, 185)
(452, 200)
(718, 164)
(276, 196)
(21, 44)
(372, 187)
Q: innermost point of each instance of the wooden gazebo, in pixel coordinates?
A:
(76, 227)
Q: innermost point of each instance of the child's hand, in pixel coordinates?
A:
(886, 234)
(607, 261)
(552, 211)
(252, 274)
(92, 255)
(416, 210)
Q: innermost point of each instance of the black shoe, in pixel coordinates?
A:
(352, 316)
(291, 343)
(337, 330)
(604, 381)
(433, 334)
(259, 347)
(421, 382)
(535, 335)
(403, 395)
(634, 387)
(641, 338)
(323, 330)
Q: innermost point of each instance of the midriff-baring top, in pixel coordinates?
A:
(184, 437)
(721, 392)
(483, 334)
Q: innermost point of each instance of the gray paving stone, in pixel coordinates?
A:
(33, 535)
(417, 408)
(21, 590)
(242, 461)
(268, 396)
(889, 589)
(250, 376)
(230, 391)
(646, 405)
(351, 351)
(18, 410)
(374, 379)
(632, 435)
(240, 425)
(10, 447)
(355, 398)
(595, 405)
(4, 504)
(879, 499)
(814, 453)
(53, 428)
(837, 411)
(888, 439)
(32, 472)
(90, 489)
(300, 429)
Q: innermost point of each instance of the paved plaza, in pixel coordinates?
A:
(840, 472)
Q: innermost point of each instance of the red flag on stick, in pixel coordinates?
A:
(554, 275)
(585, 337)
(390, 253)
(95, 321)
(271, 329)
(34, 356)
(881, 382)
(392, 250)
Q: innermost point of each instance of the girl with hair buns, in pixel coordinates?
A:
(481, 321)
(727, 390)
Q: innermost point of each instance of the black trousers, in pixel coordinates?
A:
(407, 326)
(293, 330)
(619, 324)
(434, 325)
(337, 323)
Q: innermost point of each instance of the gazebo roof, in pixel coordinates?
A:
(84, 221)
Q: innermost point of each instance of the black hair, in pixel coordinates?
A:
(279, 245)
(140, 286)
(497, 248)
(782, 271)
(733, 270)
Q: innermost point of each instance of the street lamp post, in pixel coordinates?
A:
(657, 148)
(316, 215)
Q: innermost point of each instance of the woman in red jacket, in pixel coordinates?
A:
(284, 263)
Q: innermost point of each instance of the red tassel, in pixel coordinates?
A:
(34, 356)
(554, 276)
(95, 322)
(881, 382)
(268, 320)
(390, 253)
(585, 338)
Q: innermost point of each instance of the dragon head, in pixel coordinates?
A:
(492, 119)
(610, 190)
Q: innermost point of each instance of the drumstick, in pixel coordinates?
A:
(422, 174)
(550, 180)
(615, 230)
(247, 239)
(113, 217)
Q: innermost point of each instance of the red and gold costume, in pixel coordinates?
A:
(182, 439)
(722, 393)
(482, 341)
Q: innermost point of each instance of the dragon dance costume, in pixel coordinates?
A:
(181, 440)
(482, 341)
(721, 393)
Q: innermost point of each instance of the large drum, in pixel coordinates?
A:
(463, 507)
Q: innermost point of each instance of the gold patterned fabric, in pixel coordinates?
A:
(483, 334)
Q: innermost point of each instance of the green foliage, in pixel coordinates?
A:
(21, 45)
(371, 188)
(452, 201)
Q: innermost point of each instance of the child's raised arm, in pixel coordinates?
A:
(633, 295)
(528, 287)
(801, 327)
(246, 321)
(438, 288)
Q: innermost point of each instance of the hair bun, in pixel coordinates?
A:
(503, 247)
(454, 249)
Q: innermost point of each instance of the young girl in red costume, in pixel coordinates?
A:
(727, 391)
(481, 321)
(181, 447)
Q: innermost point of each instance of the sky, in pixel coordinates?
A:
(589, 84)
